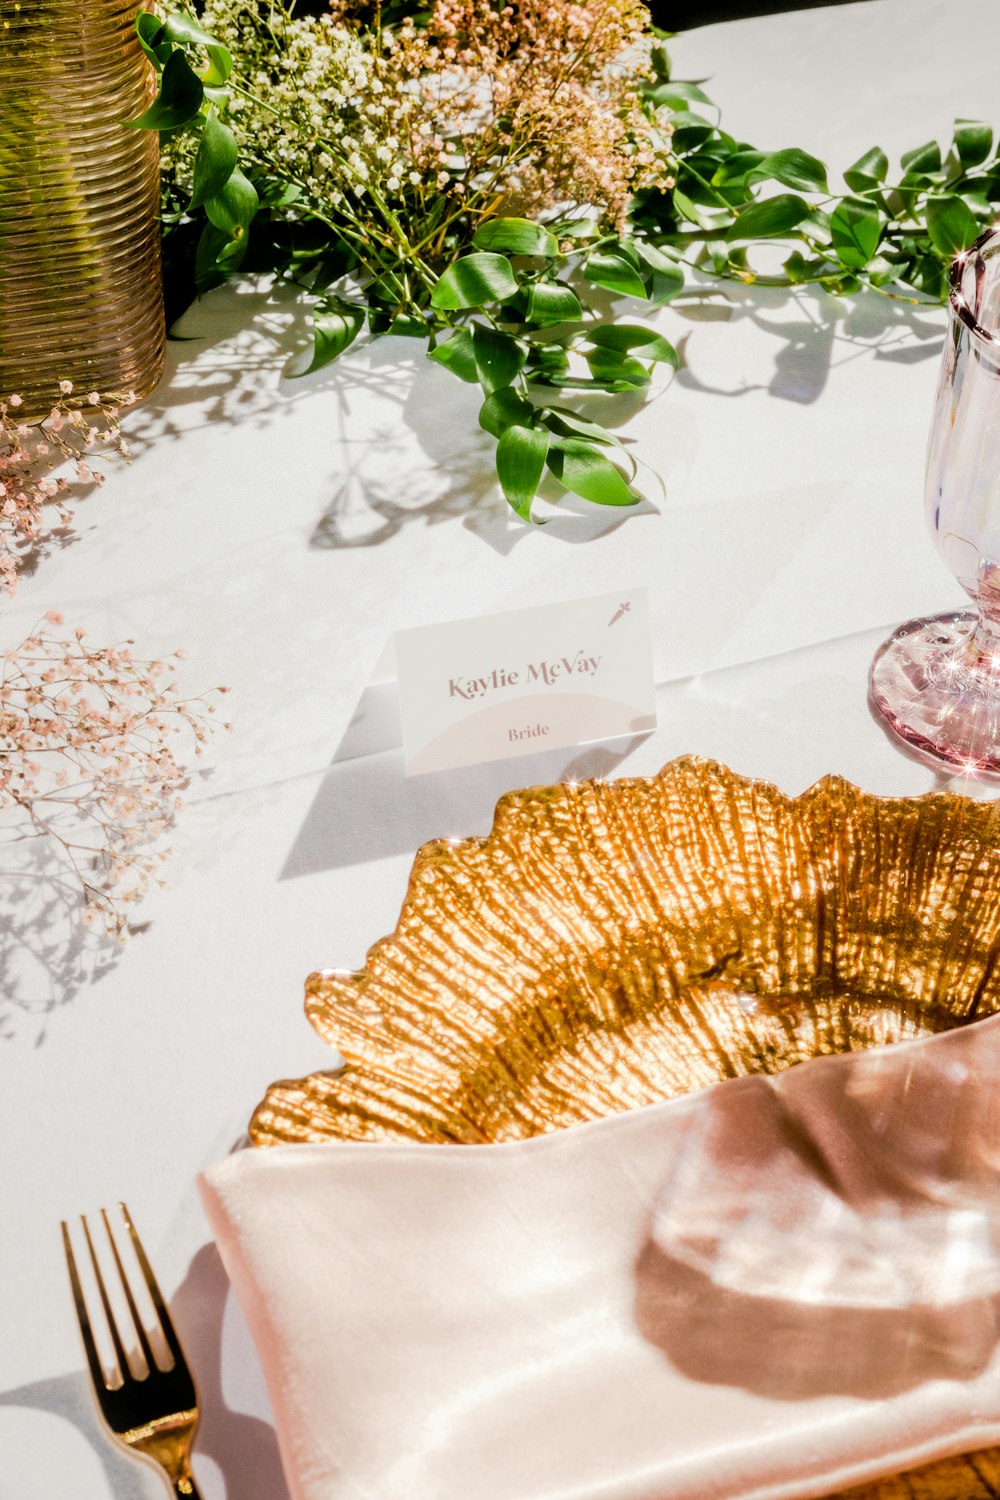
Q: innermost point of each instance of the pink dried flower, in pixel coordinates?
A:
(94, 770)
(28, 451)
(523, 110)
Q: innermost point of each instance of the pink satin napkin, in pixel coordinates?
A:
(770, 1289)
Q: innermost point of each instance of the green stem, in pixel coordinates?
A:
(682, 161)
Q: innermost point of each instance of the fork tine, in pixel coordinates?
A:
(93, 1358)
(166, 1323)
(122, 1357)
(137, 1322)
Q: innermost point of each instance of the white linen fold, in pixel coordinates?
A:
(764, 1291)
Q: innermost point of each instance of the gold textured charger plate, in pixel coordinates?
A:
(612, 944)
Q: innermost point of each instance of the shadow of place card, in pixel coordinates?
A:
(509, 684)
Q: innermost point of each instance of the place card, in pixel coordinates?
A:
(527, 680)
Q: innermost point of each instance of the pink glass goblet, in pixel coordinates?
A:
(936, 681)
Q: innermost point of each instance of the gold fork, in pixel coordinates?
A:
(155, 1413)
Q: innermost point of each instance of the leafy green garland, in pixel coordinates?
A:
(507, 309)
(900, 236)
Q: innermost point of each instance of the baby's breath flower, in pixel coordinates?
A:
(312, 81)
(27, 491)
(93, 769)
(520, 110)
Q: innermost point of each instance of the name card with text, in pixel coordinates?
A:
(528, 680)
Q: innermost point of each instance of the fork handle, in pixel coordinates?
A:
(186, 1489)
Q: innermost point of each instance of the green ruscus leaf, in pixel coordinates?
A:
(216, 257)
(499, 358)
(677, 95)
(855, 230)
(232, 208)
(973, 142)
(665, 285)
(179, 99)
(215, 161)
(615, 273)
(403, 325)
(456, 354)
(668, 276)
(152, 38)
(924, 159)
(736, 167)
(951, 224)
(769, 217)
(547, 303)
(517, 236)
(632, 338)
(547, 363)
(503, 409)
(521, 454)
(614, 370)
(795, 168)
(579, 466)
(336, 324)
(185, 31)
(473, 280)
(563, 422)
(868, 171)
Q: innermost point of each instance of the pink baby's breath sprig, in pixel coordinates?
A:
(34, 457)
(91, 742)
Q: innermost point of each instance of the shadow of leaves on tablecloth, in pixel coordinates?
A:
(379, 490)
(812, 331)
(816, 332)
(231, 368)
(47, 955)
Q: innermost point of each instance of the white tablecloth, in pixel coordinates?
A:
(280, 531)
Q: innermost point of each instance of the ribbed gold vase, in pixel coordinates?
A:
(80, 290)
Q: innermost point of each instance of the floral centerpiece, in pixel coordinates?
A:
(433, 180)
(481, 176)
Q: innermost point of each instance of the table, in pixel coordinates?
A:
(280, 531)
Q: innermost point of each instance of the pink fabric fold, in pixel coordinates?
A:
(764, 1291)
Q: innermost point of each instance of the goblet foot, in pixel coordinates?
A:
(936, 683)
